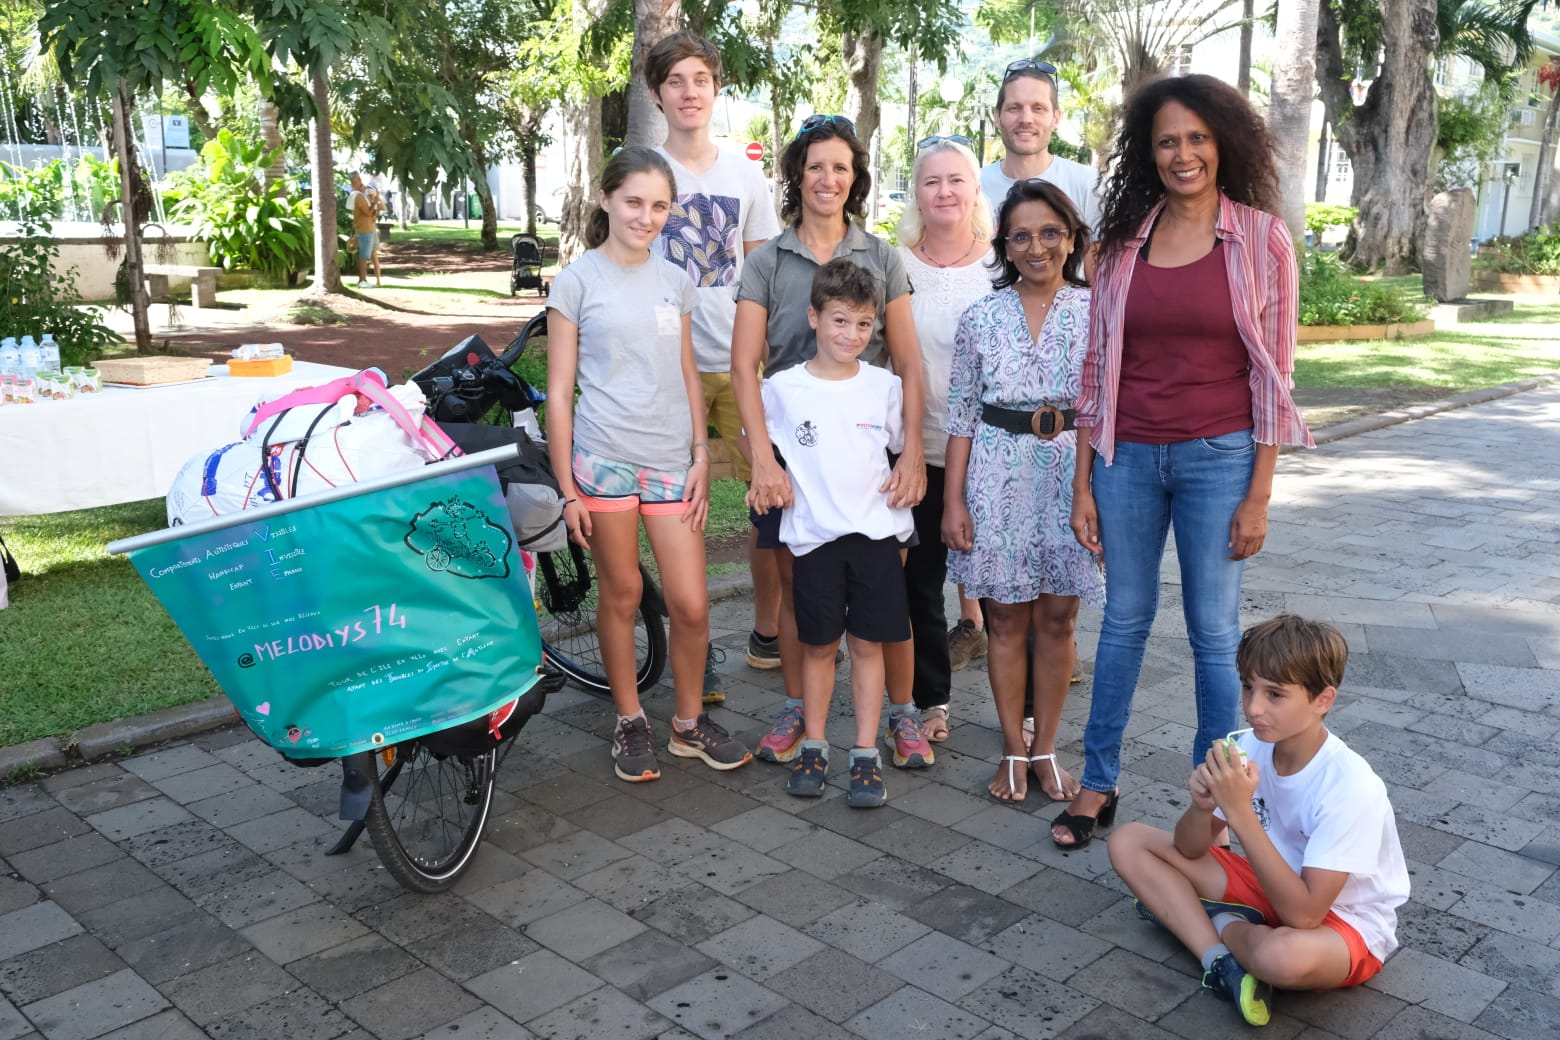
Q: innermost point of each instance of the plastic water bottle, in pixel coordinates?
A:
(30, 357)
(50, 352)
(10, 357)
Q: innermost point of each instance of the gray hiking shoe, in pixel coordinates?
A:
(707, 740)
(633, 751)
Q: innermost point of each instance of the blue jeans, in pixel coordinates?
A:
(1193, 486)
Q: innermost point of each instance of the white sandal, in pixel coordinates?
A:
(1056, 774)
(1012, 780)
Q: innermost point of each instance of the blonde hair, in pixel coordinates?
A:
(911, 229)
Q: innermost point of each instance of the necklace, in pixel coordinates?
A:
(929, 259)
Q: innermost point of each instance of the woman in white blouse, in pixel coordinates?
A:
(945, 242)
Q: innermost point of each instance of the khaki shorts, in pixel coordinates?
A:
(720, 411)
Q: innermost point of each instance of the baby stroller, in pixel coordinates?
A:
(527, 253)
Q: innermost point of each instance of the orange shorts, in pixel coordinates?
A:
(1241, 886)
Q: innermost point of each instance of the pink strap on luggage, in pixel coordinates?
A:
(369, 386)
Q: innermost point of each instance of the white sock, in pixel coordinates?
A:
(1212, 954)
(1220, 920)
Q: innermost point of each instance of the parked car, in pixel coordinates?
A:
(549, 209)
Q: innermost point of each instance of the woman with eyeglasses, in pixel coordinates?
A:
(1185, 400)
(944, 242)
(825, 175)
(1018, 356)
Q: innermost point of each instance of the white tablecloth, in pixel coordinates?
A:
(124, 445)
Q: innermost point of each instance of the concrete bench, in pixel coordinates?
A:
(203, 281)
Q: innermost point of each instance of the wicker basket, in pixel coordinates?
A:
(150, 371)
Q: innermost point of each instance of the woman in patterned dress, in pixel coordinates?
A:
(1018, 355)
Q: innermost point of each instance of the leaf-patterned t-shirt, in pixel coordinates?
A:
(713, 213)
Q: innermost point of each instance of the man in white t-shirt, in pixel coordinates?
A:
(1312, 904)
(1028, 112)
(722, 212)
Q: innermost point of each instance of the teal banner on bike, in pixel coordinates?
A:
(361, 622)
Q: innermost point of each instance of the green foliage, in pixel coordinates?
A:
(33, 298)
(1330, 294)
(1470, 131)
(245, 219)
(1536, 253)
(205, 43)
(1320, 216)
(90, 183)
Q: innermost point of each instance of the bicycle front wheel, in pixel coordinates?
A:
(428, 813)
(566, 585)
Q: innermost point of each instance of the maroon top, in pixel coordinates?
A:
(1184, 368)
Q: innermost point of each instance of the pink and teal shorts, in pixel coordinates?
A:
(608, 486)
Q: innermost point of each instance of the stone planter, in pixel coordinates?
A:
(1339, 333)
(1534, 284)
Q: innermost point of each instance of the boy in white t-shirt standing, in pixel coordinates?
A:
(834, 420)
(722, 211)
(1312, 904)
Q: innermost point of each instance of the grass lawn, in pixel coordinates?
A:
(455, 235)
(1519, 345)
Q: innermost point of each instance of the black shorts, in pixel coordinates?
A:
(768, 527)
(852, 584)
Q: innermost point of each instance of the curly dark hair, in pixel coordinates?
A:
(794, 159)
(1036, 190)
(1248, 171)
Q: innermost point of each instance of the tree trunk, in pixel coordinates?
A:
(1545, 161)
(1390, 136)
(583, 164)
(140, 303)
(1243, 72)
(528, 180)
(198, 114)
(1323, 164)
(322, 163)
(271, 135)
(1289, 113)
(863, 56)
(654, 21)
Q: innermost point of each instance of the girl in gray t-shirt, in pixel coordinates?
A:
(633, 447)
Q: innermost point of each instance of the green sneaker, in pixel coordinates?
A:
(1250, 994)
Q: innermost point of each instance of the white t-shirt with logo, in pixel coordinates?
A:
(1080, 182)
(834, 435)
(633, 404)
(714, 212)
(1334, 815)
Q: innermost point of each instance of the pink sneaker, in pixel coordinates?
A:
(911, 748)
(784, 738)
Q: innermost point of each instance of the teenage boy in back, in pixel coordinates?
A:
(1312, 904)
(834, 420)
(722, 211)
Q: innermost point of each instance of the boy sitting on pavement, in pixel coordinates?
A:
(1312, 904)
(834, 420)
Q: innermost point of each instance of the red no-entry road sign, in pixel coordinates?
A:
(755, 150)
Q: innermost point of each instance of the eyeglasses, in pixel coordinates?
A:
(927, 142)
(813, 122)
(1047, 236)
(1023, 65)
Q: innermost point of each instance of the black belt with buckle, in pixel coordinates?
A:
(1046, 422)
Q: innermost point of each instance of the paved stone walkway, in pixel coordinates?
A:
(183, 893)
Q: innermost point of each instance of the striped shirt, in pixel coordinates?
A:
(1265, 292)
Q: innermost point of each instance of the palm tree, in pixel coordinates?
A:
(1294, 83)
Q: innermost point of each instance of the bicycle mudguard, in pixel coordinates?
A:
(357, 784)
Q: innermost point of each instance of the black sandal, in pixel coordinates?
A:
(1082, 827)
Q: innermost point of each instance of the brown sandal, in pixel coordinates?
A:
(934, 723)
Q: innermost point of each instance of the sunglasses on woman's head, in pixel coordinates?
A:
(813, 122)
(927, 142)
(1023, 65)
